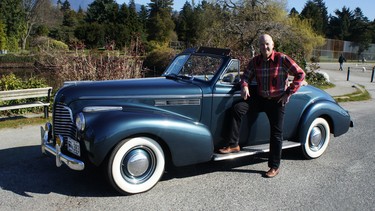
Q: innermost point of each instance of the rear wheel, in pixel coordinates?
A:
(317, 139)
(136, 165)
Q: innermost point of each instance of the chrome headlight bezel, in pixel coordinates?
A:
(80, 121)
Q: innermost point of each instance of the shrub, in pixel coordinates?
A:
(157, 61)
(11, 82)
(89, 66)
(12, 58)
(318, 80)
(47, 44)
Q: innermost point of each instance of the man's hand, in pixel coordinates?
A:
(245, 94)
(284, 99)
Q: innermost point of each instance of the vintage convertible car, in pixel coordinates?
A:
(135, 127)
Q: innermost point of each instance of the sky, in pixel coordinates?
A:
(367, 6)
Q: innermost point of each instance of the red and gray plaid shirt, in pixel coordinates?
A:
(272, 75)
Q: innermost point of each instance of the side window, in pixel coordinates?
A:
(231, 74)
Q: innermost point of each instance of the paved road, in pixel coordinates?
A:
(339, 180)
(344, 82)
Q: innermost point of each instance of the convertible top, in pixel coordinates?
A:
(208, 50)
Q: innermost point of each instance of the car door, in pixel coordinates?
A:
(226, 92)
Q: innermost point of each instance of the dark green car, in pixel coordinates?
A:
(134, 127)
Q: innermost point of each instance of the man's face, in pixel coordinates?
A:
(266, 45)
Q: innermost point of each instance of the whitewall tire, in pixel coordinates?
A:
(136, 165)
(317, 139)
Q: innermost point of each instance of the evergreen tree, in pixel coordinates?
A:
(339, 25)
(189, 24)
(59, 4)
(102, 11)
(316, 12)
(11, 14)
(160, 24)
(123, 14)
(3, 37)
(361, 31)
(133, 22)
(143, 16)
(372, 29)
(293, 12)
(65, 6)
(69, 18)
(93, 34)
(81, 15)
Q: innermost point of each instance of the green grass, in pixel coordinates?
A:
(17, 122)
(324, 86)
(360, 95)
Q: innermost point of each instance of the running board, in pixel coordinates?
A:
(252, 150)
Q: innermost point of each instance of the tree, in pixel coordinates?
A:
(316, 12)
(133, 22)
(65, 6)
(93, 34)
(339, 25)
(34, 12)
(212, 21)
(301, 39)
(102, 11)
(160, 24)
(142, 17)
(189, 24)
(69, 18)
(361, 31)
(372, 28)
(293, 12)
(3, 37)
(238, 24)
(11, 14)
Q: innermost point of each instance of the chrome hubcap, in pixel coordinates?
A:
(317, 138)
(138, 165)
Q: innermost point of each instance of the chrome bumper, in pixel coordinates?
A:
(47, 146)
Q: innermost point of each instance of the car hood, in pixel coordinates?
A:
(145, 88)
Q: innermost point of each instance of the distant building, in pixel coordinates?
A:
(333, 48)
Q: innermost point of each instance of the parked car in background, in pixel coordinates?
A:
(135, 127)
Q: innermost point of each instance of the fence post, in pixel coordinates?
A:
(348, 75)
(372, 75)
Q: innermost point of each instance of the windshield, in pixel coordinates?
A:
(202, 67)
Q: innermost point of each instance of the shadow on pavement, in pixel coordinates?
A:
(25, 170)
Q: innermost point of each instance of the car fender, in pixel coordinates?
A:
(337, 117)
(188, 142)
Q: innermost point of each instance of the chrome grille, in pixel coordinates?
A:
(63, 123)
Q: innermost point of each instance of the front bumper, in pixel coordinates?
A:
(47, 146)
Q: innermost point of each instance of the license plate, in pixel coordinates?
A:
(74, 147)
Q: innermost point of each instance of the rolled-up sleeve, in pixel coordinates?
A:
(296, 71)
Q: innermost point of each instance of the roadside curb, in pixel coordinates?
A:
(354, 94)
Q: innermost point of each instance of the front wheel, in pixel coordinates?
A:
(317, 139)
(136, 165)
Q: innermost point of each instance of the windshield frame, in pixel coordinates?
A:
(197, 66)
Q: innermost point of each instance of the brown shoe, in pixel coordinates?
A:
(272, 172)
(229, 149)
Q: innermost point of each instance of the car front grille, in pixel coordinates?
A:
(63, 123)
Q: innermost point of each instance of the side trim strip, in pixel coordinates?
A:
(142, 97)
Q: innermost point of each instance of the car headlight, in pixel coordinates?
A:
(80, 121)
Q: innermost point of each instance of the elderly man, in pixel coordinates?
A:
(270, 70)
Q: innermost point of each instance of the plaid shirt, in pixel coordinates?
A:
(272, 75)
